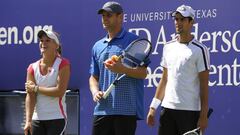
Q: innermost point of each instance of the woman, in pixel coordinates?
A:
(46, 84)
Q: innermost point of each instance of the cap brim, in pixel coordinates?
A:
(41, 33)
(50, 35)
(173, 14)
(100, 11)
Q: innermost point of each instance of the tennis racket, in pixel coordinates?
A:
(197, 131)
(133, 56)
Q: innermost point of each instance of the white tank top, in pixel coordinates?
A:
(47, 107)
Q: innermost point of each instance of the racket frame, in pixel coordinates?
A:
(112, 86)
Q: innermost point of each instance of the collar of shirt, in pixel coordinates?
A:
(119, 35)
(186, 43)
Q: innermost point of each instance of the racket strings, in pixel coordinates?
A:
(135, 54)
(146, 45)
(142, 47)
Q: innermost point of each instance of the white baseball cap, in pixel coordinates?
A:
(185, 11)
(50, 34)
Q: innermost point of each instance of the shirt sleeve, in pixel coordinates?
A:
(94, 69)
(203, 60)
(30, 70)
(163, 62)
(64, 63)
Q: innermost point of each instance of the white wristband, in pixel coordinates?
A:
(155, 103)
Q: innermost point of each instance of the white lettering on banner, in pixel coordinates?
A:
(154, 76)
(150, 16)
(138, 30)
(125, 18)
(10, 35)
(12, 32)
(206, 13)
(165, 15)
(232, 74)
(234, 41)
(3, 36)
(229, 41)
(28, 32)
(227, 75)
(161, 39)
(217, 42)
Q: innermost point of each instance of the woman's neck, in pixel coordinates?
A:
(48, 60)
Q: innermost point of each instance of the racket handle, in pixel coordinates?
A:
(108, 91)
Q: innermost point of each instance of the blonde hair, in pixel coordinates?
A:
(59, 49)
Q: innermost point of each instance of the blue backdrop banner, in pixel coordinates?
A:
(79, 25)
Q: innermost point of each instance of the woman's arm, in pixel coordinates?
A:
(62, 84)
(30, 102)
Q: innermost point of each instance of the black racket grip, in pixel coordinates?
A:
(210, 110)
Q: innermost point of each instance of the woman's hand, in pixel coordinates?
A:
(30, 86)
(28, 128)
